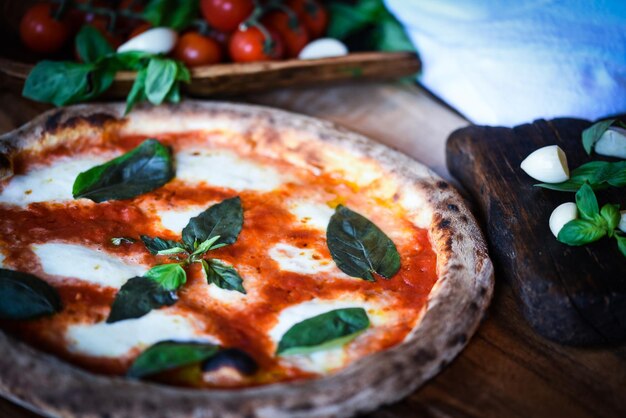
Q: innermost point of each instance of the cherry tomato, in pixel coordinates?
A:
(102, 24)
(250, 46)
(226, 15)
(294, 35)
(40, 32)
(139, 30)
(312, 14)
(194, 49)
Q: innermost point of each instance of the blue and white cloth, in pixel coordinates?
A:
(502, 62)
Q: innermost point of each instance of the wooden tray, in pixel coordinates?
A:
(221, 79)
(573, 295)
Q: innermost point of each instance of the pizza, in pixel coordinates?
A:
(278, 263)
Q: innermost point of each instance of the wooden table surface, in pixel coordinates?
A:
(506, 370)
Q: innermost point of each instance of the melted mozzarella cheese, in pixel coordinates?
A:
(225, 169)
(118, 338)
(313, 214)
(299, 260)
(176, 220)
(51, 183)
(84, 263)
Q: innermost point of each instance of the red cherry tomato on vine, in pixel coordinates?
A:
(226, 15)
(251, 45)
(294, 35)
(312, 14)
(195, 49)
(40, 32)
(139, 30)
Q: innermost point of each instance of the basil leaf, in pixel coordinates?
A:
(176, 14)
(328, 330)
(24, 296)
(621, 243)
(586, 202)
(599, 175)
(137, 91)
(224, 219)
(346, 20)
(580, 232)
(129, 60)
(59, 83)
(137, 297)
(206, 246)
(147, 167)
(391, 36)
(173, 96)
(169, 355)
(223, 275)
(592, 134)
(169, 276)
(359, 247)
(91, 45)
(612, 216)
(160, 77)
(232, 358)
(157, 245)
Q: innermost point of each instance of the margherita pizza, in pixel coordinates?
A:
(296, 267)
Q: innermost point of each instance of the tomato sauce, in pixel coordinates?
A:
(267, 220)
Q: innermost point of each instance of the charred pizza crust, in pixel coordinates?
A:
(455, 307)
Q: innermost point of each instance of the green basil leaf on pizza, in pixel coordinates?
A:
(224, 219)
(169, 355)
(139, 295)
(145, 168)
(24, 296)
(359, 247)
(158, 245)
(324, 331)
(223, 275)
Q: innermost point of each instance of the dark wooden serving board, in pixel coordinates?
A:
(573, 295)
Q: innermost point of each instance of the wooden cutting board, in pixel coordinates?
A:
(573, 295)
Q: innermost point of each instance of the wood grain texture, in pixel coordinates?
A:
(506, 370)
(573, 295)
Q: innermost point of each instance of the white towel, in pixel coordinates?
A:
(502, 62)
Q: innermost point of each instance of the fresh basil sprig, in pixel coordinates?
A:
(171, 355)
(24, 296)
(321, 332)
(65, 82)
(594, 223)
(214, 228)
(145, 168)
(592, 134)
(372, 18)
(359, 247)
(176, 14)
(599, 175)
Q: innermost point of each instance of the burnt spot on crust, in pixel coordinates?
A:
(464, 219)
(482, 291)
(456, 267)
(458, 339)
(442, 185)
(473, 306)
(444, 223)
(52, 123)
(96, 120)
(449, 244)
(424, 356)
(453, 207)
